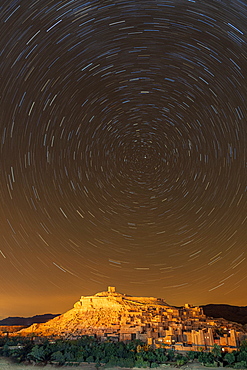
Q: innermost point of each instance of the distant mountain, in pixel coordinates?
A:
(231, 313)
(27, 321)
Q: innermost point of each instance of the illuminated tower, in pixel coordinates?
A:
(111, 289)
(233, 341)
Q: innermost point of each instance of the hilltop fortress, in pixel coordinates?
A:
(120, 317)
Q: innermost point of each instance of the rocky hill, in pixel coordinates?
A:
(112, 313)
(102, 311)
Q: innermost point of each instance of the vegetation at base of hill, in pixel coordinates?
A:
(111, 354)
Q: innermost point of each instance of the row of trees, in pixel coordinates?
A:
(130, 354)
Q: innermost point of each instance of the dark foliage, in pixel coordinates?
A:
(130, 354)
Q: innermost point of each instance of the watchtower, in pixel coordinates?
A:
(111, 289)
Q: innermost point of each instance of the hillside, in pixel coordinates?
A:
(120, 317)
(228, 312)
(98, 313)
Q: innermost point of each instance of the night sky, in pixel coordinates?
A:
(123, 151)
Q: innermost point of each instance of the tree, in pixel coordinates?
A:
(5, 350)
(206, 358)
(181, 362)
(58, 357)
(240, 365)
(216, 351)
(112, 362)
(126, 362)
(160, 355)
(140, 362)
(229, 358)
(149, 356)
(192, 355)
(242, 356)
(69, 355)
(243, 346)
(16, 355)
(37, 354)
(171, 354)
(90, 359)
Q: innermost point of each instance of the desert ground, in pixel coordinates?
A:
(6, 364)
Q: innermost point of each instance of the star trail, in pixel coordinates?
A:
(123, 151)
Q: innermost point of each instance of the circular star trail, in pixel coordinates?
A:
(123, 149)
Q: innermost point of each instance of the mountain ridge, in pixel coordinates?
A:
(228, 312)
(27, 321)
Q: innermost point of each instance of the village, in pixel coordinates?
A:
(156, 323)
(117, 317)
